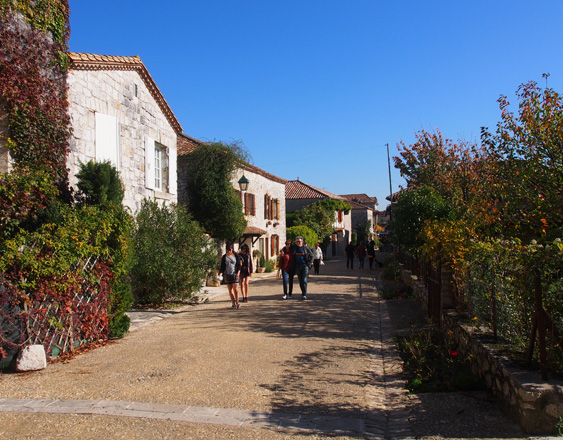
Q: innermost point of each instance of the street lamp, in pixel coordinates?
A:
(243, 183)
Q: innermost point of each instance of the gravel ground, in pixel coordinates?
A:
(307, 357)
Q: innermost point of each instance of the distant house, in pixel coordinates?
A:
(364, 210)
(263, 202)
(264, 207)
(299, 194)
(118, 114)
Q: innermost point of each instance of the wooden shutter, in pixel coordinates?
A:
(172, 175)
(107, 139)
(277, 209)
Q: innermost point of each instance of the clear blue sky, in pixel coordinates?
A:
(315, 89)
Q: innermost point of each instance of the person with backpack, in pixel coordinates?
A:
(303, 257)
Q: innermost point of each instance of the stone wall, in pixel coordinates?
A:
(123, 95)
(536, 404)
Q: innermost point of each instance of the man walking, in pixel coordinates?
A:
(303, 257)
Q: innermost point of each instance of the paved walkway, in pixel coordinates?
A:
(319, 373)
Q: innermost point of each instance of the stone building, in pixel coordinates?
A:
(263, 202)
(299, 194)
(118, 114)
(364, 210)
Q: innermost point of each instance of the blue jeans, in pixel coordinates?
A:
(302, 272)
(285, 278)
(290, 276)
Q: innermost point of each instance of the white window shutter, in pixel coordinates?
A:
(149, 162)
(172, 176)
(107, 140)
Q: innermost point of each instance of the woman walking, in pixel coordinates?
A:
(284, 270)
(245, 271)
(230, 270)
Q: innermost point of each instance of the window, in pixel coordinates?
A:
(157, 167)
(249, 204)
(271, 208)
(340, 216)
(160, 167)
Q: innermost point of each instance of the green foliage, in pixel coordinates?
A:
(308, 234)
(99, 184)
(47, 273)
(320, 216)
(213, 201)
(432, 363)
(290, 219)
(172, 255)
(269, 265)
(412, 210)
(335, 205)
(392, 270)
(363, 232)
(23, 195)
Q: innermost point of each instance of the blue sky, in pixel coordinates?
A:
(316, 89)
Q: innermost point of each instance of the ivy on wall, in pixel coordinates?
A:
(62, 266)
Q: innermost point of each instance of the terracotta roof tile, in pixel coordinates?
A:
(295, 189)
(360, 198)
(90, 61)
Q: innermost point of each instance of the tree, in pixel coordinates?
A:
(452, 169)
(212, 200)
(527, 149)
(99, 183)
(414, 208)
(319, 216)
(307, 233)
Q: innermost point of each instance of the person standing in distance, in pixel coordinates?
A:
(317, 257)
(303, 257)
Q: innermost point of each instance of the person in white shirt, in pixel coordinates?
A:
(317, 257)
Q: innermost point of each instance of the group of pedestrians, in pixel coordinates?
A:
(295, 259)
(236, 269)
(360, 251)
(298, 259)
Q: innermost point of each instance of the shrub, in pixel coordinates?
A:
(269, 265)
(172, 255)
(99, 184)
(307, 233)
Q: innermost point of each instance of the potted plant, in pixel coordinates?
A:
(212, 279)
(259, 260)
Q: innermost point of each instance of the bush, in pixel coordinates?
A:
(100, 187)
(99, 184)
(307, 233)
(269, 265)
(172, 255)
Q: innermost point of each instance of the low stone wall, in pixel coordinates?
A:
(536, 404)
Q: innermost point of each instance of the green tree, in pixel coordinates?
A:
(212, 200)
(172, 255)
(413, 208)
(320, 216)
(99, 183)
(307, 233)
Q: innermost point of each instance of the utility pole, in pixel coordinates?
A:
(389, 165)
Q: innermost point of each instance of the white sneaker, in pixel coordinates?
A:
(284, 297)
